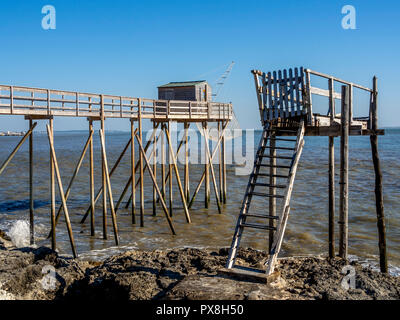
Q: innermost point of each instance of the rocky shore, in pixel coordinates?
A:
(179, 274)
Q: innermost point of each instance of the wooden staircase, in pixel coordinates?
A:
(280, 156)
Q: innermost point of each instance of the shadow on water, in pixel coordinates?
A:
(18, 205)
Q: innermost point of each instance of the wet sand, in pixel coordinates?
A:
(180, 274)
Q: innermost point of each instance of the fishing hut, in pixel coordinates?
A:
(183, 102)
(287, 114)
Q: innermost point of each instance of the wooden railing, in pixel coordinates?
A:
(46, 102)
(332, 95)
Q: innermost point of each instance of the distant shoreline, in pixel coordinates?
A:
(12, 133)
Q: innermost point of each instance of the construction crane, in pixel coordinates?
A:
(221, 80)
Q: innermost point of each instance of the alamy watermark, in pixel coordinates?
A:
(49, 20)
(349, 280)
(349, 20)
(49, 280)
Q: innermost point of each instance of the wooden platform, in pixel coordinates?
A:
(249, 274)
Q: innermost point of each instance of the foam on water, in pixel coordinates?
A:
(19, 233)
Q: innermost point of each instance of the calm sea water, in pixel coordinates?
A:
(307, 229)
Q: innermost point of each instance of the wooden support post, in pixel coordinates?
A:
(178, 179)
(186, 174)
(221, 189)
(171, 200)
(380, 214)
(154, 170)
(204, 173)
(110, 196)
(61, 190)
(103, 175)
(91, 181)
(164, 206)
(99, 192)
(52, 190)
(141, 165)
(344, 166)
(272, 190)
(133, 175)
(224, 163)
(212, 170)
(78, 166)
(331, 232)
(31, 201)
(207, 170)
(20, 143)
(162, 161)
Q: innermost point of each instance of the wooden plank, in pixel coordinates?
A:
(285, 93)
(283, 217)
(31, 200)
(91, 183)
(61, 190)
(110, 196)
(344, 167)
(276, 98)
(52, 192)
(280, 106)
(324, 93)
(164, 206)
(380, 213)
(270, 98)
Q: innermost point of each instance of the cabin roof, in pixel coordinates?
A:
(182, 84)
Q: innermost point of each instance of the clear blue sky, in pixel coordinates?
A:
(131, 47)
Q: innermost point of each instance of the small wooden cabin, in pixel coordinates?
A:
(187, 90)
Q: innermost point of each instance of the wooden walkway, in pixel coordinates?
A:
(16, 100)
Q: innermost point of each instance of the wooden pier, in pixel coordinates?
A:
(285, 101)
(46, 104)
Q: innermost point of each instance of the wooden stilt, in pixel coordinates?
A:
(133, 176)
(204, 173)
(171, 200)
(103, 175)
(331, 232)
(224, 164)
(164, 206)
(163, 160)
(110, 196)
(331, 235)
(130, 178)
(99, 192)
(52, 191)
(154, 170)
(178, 179)
(272, 190)
(207, 170)
(31, 203)
(61, 190)
(78, 166)
(20, 143)
(212, 170)
(344, 157)
(141, 164)
(91, 181)
(186, 174)
(221, 190)
(380, 213)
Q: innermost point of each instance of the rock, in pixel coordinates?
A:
(181, 274)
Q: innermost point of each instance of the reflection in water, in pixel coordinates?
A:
(307, 230)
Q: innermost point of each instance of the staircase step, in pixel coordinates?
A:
(259, 184)
(271, 175)
(272, 166)
(281, 148)
(282, 130)
(283, 139)
(259, 194)
(277, 157)
(256, 215)
(256, 226)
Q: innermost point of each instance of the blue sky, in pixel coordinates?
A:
(130, 47)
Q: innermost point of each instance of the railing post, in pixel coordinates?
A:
(11, 99)
(77, 104)
(120, 106)
(48, 102)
